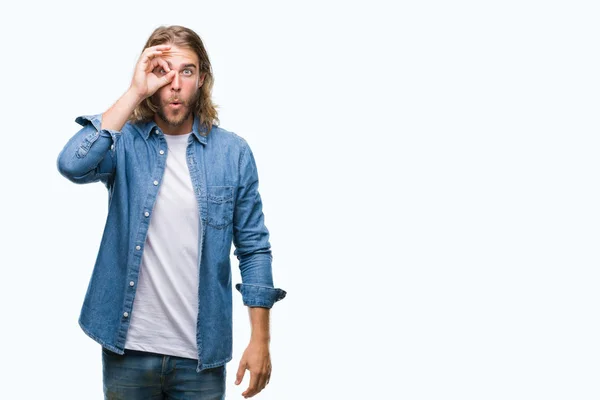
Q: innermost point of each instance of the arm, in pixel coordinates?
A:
(86, 157)
(256, 357)
(259, 323)
(116, 116)
(251, 239)
(253, 250)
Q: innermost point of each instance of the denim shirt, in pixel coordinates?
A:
(131, 163)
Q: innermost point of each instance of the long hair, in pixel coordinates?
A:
(186, 38)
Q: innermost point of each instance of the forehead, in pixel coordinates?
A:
(177, 56)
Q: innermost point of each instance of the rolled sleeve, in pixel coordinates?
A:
(89, 155)
(259, 296)
(97, 132)
(251, 239)
(96, 121)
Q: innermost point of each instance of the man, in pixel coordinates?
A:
(181, 190)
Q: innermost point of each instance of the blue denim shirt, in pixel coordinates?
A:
(131, 163)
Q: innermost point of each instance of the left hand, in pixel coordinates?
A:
(257, 359)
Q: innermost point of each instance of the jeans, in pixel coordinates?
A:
(143, 375)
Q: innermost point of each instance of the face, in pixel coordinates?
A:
(176, 99)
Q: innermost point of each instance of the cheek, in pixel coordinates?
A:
(160, 95)
(191, 90)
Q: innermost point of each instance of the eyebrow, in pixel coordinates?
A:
(183, 66)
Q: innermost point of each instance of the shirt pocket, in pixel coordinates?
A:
(220, 206)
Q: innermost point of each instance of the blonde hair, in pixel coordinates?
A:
(204, 108)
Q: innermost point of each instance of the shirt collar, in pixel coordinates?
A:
(149, 127)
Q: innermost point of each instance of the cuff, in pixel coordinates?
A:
(259, 296)
(96, 121)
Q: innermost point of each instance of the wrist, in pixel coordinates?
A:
(134, 96)
(260, 339)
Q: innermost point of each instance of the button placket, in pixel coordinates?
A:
(146, 214)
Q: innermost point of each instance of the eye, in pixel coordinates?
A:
(187, 72)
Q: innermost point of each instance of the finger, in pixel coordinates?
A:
(253, 386)
(265, 376)
(240, 373)
(167, 78)
(152, 51)
(148, 58)
(160, 47)
(158, 62)
(163, 64)
(162, 81)
(262, 381)
(153, 54)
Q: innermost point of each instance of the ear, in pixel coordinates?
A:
(201, 80)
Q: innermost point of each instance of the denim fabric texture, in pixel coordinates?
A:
(138, 375)
(131, 163)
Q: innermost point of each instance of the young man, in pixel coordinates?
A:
(181, 190)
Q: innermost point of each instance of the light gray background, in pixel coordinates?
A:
(429, 172)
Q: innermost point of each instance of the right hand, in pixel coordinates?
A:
(145, 83)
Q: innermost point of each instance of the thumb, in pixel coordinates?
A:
(240, 373)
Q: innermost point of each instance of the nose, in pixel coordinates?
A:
(175, 83)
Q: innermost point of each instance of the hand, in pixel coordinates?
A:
(257, 359)
(145, 83)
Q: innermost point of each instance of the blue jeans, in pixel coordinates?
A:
(142, 375)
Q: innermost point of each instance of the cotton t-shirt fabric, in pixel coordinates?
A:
(165, 307)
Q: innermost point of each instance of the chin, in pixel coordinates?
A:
(176, 120)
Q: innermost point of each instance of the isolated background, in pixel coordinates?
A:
(429, 172)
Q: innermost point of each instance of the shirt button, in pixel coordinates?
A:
(157, 131)
(126, 314)
(137, 247)
(147, 214)
(131, 283)
(155, 183)
(162, 152)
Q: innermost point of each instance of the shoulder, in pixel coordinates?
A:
(219, 136)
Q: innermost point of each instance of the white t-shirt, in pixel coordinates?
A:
(165, 308)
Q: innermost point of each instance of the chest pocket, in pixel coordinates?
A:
(220, 206)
